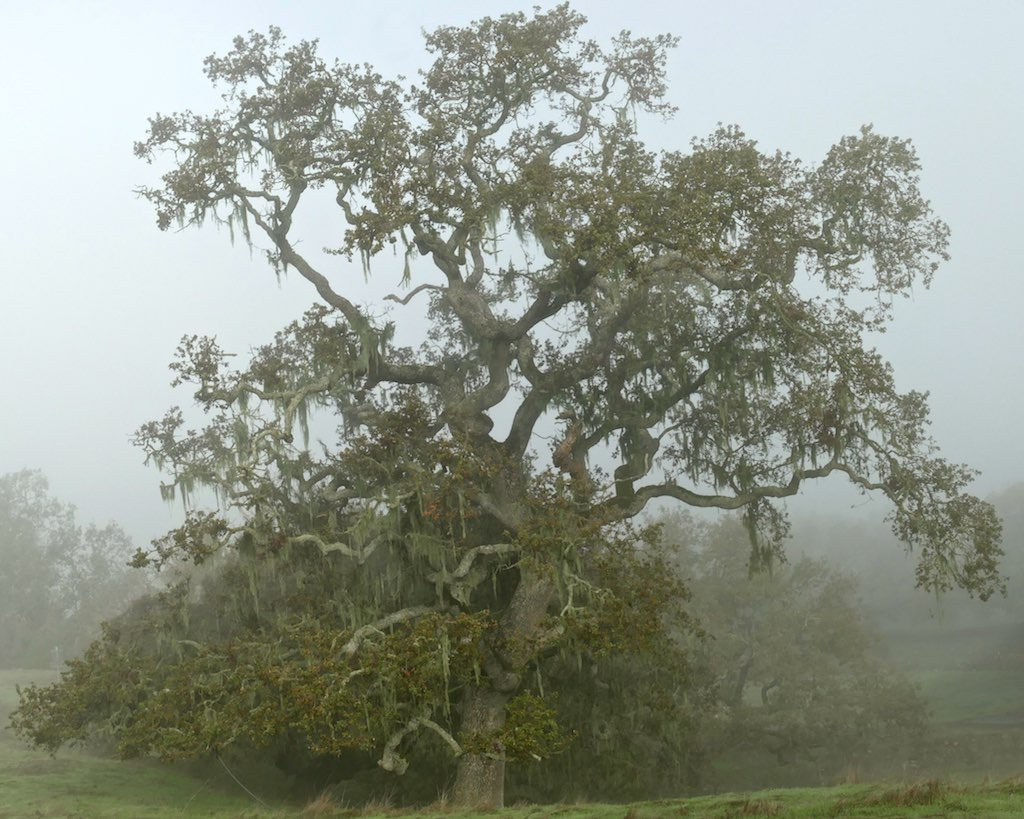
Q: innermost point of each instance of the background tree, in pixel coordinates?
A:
(696, 318)
(59, 579)
(793, 658)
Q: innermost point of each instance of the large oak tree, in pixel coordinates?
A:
(694, 321)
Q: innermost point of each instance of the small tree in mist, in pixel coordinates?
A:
(58, 580)
(790, 653)
(696, 318)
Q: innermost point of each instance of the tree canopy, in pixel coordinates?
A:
(693, 321)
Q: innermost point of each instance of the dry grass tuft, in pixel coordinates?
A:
(928, 792)
(439, 805)
(325, 804)
(328, 804)
(1013, 785)
(919, 793)
(760, 807)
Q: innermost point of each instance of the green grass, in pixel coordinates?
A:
(76, 786)
(971, 694)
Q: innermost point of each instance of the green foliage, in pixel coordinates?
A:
(104, 680)
(634, 596)
(253, 660)
(636, 716)
(188, 699)
(532, 730)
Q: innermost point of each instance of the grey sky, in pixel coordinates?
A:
(94, 298)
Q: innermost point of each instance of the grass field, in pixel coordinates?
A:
(78, 784)
(969, 674)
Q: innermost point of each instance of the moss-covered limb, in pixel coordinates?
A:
(465, 565)
(391, 760)
(360, 555)
(377, 628)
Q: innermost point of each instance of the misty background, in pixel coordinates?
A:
(94, 298)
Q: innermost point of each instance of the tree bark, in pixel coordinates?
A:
(480, 777)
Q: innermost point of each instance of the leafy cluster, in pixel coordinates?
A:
(250, 692)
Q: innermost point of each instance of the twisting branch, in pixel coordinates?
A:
(466, 564)
(382, 370)
(544, 385)
(394, 762)
(291, 257)
(393, 619)
(409, 296)
(360, 555)
(634, 504)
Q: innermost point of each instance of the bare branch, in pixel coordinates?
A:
(360, 555)
(408, 298)
(466, 564)
(393, 762)
(393, 619)
(632, 505)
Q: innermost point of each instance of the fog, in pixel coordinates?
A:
(95, 298)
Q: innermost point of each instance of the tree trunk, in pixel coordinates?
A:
(741, 680)
(480, 777)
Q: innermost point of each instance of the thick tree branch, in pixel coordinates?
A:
(466, 564)
(360, 555)
(392, 761)
(545, 385)
(621, 508)
(291, 257)
(380, 370)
